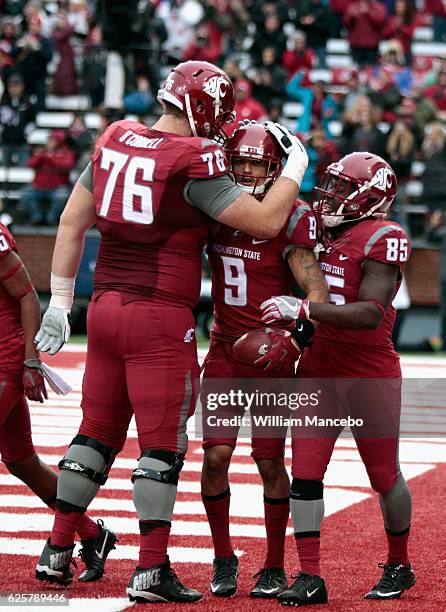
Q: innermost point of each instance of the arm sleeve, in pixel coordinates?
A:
(86, 178)
(212, 196)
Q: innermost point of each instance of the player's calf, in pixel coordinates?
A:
(154, 491)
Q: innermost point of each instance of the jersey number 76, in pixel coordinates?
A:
(114, 162)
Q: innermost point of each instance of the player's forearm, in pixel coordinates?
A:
(30, 317)
(308, 274)
(78, 216)
(358, 315)
(276, 206)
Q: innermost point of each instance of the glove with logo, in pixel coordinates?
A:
(285, 308)
(283, 352)
(54, 330)
(33, 382)
(297, 161)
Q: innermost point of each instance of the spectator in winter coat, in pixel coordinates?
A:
(299, 58)
(52, 165)
(94, 68)
(314, 19)
(17, 115)
(269, 78)
(246, 107)
(64, 80)
(437, 9)
(271, 35)
(437, 93)
(364, 20)
(32, 54)
(206, 45)
(401, 26)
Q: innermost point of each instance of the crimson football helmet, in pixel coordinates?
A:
(359, 186)
(205, 95)
(253, 142)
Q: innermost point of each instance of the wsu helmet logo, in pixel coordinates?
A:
(216, 86)
(383, 179)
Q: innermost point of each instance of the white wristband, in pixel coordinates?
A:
(62, 292)
(295, 167)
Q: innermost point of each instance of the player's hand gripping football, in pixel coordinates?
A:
(282, 353)
(54, 330)
(284, 308)
(297, 161)
(33, 381)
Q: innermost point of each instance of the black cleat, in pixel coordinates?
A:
(396, 579)
(94, 553)
(224, 578)
(271, 581)
(306, 590)
(54, 564)
(159, 584)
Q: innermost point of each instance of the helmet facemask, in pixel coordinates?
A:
(340, 198)
(255, 184)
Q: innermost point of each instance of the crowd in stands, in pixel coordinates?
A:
(386, 99)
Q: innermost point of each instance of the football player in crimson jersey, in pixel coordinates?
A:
(20, 378)
(152, 193)
(363, 261)
(245, 271)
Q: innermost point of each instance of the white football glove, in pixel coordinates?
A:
(297, 161)
(284, 308)
(54, 330)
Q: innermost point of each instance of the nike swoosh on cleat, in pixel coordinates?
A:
(312, 592)
(388, 594)
(101, 554)
(268, 591)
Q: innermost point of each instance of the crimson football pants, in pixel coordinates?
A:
(222, 363)
(16, 442)
(140, 360)
(377, 403)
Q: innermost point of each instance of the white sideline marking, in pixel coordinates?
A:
(16, 523)
(335, 499)
(177, 554)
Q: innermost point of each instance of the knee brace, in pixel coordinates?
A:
(84, 469)
(155, 484)
(307, 506)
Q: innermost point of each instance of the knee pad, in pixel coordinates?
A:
(155, 484)
(307, 490)
(83, 469)
(161, 465)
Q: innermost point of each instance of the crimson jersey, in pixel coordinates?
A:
(11, 324)
(363, 353)
(247, 271)
(151, 237)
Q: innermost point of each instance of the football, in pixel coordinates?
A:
(254, 344)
